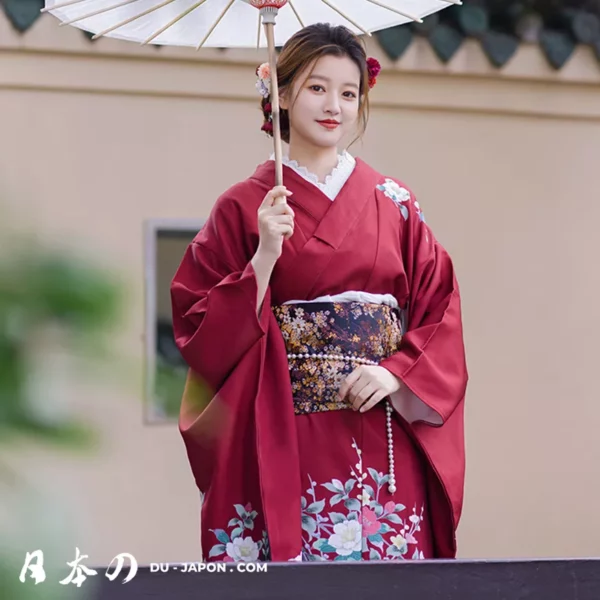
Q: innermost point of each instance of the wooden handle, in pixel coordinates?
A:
(270, 34)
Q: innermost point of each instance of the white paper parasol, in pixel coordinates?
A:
(235, 24)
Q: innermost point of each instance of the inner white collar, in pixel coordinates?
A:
(334, 182)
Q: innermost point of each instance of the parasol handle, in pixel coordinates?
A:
(270, 34)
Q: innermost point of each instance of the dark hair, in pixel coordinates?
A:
(303, 49)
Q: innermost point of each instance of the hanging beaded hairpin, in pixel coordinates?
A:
(263, 83)
(263, 86)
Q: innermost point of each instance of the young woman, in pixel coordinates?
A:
(324, 415)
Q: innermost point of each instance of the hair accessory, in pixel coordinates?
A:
(263, 84)
(373, 68)
(267, 127)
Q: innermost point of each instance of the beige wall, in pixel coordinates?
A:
(98, 138)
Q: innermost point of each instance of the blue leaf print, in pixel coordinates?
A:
(216, 550)
(222, 536)
(336, 517)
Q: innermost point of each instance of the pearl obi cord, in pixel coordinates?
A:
(326, 341)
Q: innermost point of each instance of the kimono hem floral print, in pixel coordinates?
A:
(286, 469)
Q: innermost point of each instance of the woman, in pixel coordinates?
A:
(325, 417)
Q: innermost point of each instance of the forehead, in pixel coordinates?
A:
(336, 68)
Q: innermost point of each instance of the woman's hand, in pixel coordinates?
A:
(368, 385)
(275, 223)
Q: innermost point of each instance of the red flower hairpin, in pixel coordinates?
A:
(373, 69)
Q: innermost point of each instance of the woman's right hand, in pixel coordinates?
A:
(275, 223)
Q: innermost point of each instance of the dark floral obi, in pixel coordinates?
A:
(326, 341)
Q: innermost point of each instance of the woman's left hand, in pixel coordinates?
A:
(368, 385)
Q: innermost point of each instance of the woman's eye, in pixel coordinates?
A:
(316, 88)
(350, 94)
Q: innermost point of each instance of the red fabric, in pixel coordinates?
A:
(245, 446)
(334, 473)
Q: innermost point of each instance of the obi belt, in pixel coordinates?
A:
(326, 341)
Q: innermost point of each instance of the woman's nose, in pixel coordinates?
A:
(333, 105)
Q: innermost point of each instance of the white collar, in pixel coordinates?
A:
(334, 182)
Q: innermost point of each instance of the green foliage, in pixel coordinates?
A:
(40, 291)
(51, 304)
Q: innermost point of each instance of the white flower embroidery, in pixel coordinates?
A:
(245, 550)
(394, 191)
(364, 497)
(399, 542)
(347, 537)
(397, 194)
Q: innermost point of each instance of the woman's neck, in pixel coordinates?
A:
(319, 161)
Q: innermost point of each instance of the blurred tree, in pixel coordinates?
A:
(39, 292)
(50, 303)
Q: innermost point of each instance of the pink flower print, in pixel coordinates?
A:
(410, 538)
(389, 506)
(369, 521)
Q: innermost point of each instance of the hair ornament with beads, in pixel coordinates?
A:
(263, 83)
(263, 86)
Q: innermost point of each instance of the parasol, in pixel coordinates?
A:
(235, 24)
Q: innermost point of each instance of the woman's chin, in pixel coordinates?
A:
(320, 139)
(327, 139)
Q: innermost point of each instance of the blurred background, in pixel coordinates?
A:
(111, 157)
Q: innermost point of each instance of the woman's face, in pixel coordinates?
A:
(323, 104)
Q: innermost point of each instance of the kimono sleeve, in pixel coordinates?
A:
(431, 361)
(214, 298)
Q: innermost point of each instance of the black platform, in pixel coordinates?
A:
(424, 580)
(427, 580)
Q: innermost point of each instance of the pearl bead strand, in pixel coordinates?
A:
(388, 407)
(390, 440)
(344, 357)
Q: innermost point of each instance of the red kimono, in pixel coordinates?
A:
(277, 485)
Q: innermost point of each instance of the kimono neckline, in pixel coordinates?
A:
(334, 182)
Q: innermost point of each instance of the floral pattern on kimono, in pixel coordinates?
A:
(239, 545)
(360, 527)
(400, 195)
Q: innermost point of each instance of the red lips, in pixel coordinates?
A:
(329, 123)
